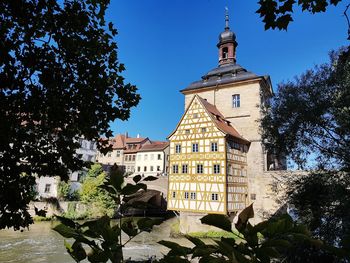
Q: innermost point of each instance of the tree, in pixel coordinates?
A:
(100, 240)
(278, 239)
(309, 120)
(60, 80)
(278, 13)
(98, 199)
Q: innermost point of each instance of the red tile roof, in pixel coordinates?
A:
(154, 146)
(221, 123)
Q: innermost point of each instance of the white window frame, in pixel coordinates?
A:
(186, 195)
(177, 148)
(214, 197)
(216, 168)
(185, 168)
(193, 196)
(195, 147)
(214, 147)
(199, 169)
(236, 101)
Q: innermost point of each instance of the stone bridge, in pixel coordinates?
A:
(161, 184)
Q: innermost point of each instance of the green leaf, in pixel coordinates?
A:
(280, 243)
(137, 178)
(66, 231)
(116, 179)
(66, 221)
(146, 224)
(220, 221)
(244, 216)
(76, 251)
(150, 178)
(131, 189)
(129, 229)
(97, 256)
(176, 249)
(195, 240)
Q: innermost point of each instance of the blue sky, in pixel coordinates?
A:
(165, 45)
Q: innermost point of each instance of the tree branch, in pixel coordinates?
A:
(347, 19)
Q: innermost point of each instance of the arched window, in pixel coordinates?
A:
(225, 52)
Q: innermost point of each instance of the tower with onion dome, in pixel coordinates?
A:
(223, 109)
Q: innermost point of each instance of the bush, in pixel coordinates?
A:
(99, 201)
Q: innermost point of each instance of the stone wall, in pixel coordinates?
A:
(56, 209)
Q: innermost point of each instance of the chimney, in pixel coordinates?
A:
(126, 135)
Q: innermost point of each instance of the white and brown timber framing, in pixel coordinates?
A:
(203, 124)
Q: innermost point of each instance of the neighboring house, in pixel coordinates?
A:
(123, 154)
(48, 186)
(133, 145)
(116, 156)
(152, 159)
(240, 171)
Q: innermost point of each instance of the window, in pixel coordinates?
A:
(134, 157)
(138, 168)
(184, 168)
(178, 148)
(92, 145)
(109, 154)
(175, 169)
(47, 188)
(145, 157)
(225, 52)
(139, 157)
(195, 147)
(193, 196)
(159, 157)
(145, 168)
(199, 168)
(151, 168)
(204, 129)
(186, 195)
(195, 115)
(174, 195)
(152, 156)
(158, 168)
(216, 168)
(214, 146)
(236, 101)
(252, 196)
(214, 197)
(187, 131)
(118, 153)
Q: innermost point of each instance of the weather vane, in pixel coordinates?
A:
(226, 18)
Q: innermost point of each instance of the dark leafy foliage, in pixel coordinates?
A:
(278, 13)
(60, 80)
(276, 240)
(103, 239)
(310, 117)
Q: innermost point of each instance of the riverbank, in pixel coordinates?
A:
(41, 244)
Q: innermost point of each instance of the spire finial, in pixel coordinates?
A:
(226, 19)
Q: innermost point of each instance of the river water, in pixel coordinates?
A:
(41, 244)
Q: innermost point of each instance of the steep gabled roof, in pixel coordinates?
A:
(118, 141)
(220, 122)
